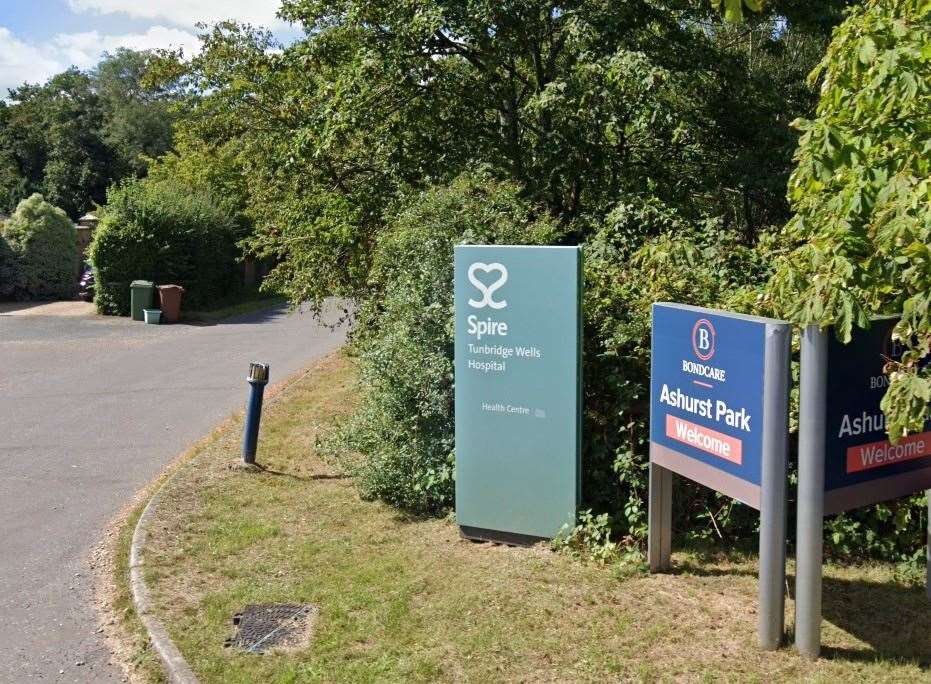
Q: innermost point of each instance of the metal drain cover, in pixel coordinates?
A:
(266, 626)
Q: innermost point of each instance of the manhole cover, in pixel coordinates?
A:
(265, 626)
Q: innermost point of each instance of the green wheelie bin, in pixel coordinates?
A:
(142, 293)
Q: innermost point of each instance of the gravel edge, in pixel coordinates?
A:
(176, 667)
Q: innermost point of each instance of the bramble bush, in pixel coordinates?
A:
(643, 253)
(400, 442)
(43, 244)
(167, 233)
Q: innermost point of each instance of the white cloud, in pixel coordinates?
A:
(84, 49)
(188, 12)
(35, 62)
(21, 62)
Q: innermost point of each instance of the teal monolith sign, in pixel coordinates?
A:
(518, 390)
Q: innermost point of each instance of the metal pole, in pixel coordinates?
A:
(810, 534)
(659, 542)
(928, 548)
(258, 378)
(773, 486)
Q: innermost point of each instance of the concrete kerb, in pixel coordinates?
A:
(176, 667)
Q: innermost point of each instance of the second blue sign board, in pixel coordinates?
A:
(845, 457)
(861, 466)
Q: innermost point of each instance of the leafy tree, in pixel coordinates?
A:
(44, 244)
(71, 137)
(76, 171)
(762, 89)
(563, 101)
(137, 120)
(862, 195)
(581, 105)
(23, 149)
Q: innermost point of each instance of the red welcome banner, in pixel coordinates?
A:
(708, 440)
(878, 454)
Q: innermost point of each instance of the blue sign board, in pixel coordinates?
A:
(708, 382)
(861, 466)
(518, 390)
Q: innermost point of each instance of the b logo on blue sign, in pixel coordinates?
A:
(703, 339)
(892, 348)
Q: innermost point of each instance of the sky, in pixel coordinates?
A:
(39, 38)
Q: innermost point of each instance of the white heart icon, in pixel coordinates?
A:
(487, 290)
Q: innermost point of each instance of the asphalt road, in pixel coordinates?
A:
(91, 409)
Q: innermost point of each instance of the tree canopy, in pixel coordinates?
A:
(582, 104)
(861, 193)
(74, 135)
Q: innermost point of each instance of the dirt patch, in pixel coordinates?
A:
(124, 635)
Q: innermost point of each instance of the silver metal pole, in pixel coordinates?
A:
(773, 486)
(810, 535)
(659, 542)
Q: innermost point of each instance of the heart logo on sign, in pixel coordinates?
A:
(487, 290)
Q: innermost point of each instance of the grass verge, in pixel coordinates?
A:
(406, 599)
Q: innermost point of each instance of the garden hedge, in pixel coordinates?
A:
(167, 233)
(9, 268)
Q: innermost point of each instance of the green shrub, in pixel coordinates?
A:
(643, 253)
(399, 444)
(9, 268)
(44, 246)
(166, 233)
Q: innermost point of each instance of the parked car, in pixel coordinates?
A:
(86, 284)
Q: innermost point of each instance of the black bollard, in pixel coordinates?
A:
(258, 378)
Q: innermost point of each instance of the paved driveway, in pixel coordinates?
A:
(91, 409)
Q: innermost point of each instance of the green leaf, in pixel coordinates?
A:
(867, 52)
(733, 11)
